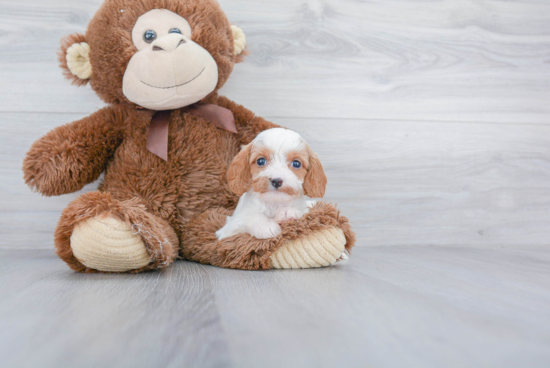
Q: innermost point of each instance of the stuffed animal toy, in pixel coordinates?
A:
(164, 143)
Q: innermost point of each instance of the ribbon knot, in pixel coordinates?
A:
(157, 141)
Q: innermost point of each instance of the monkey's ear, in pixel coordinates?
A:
(74, 57)
(239, 41)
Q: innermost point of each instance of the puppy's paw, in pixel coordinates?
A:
(265, 230)
(220, 234)
(287, 214)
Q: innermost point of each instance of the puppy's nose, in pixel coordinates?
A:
(277, 183)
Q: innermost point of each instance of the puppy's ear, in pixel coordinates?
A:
(238, 175)
(74, 57)
(315, 181)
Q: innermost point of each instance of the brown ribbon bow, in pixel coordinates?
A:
(157, 142)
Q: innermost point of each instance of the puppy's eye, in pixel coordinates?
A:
(261, 161)
(296, 164)
(149, 36)
(175, 30)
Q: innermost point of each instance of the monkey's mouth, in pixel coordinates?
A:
(177, 85)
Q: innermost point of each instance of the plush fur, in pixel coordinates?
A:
(184, 199)
(247, 253)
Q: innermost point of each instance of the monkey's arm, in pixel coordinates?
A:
(75, 154)
(248, 124)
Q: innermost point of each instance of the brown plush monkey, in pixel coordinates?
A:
(165, 143)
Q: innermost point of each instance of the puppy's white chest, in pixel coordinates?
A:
(271, 210)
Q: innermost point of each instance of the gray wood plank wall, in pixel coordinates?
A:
(432, 118)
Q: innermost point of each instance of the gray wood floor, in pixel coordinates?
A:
(386, 307)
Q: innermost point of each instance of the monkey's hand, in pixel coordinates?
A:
(73, 155)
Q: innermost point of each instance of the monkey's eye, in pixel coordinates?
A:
(174, 30)
(296, 164)
(149, 36)
(261, 161)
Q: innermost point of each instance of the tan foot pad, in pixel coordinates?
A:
(319, 249)
(108, 245)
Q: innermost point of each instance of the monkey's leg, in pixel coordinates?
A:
(316, 240)
(97, 233)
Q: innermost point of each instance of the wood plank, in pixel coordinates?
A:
(465, 60)
(401, 183)
(386, 307)
(98, 320)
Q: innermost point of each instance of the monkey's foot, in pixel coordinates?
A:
(109, 245)
(98, 233)
(318, 249)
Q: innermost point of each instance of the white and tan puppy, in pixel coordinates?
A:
(273, 175)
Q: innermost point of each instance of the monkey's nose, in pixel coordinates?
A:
(277, 183)
(169, 42)
(158, 48)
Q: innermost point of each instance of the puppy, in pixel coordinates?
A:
(273, 175)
